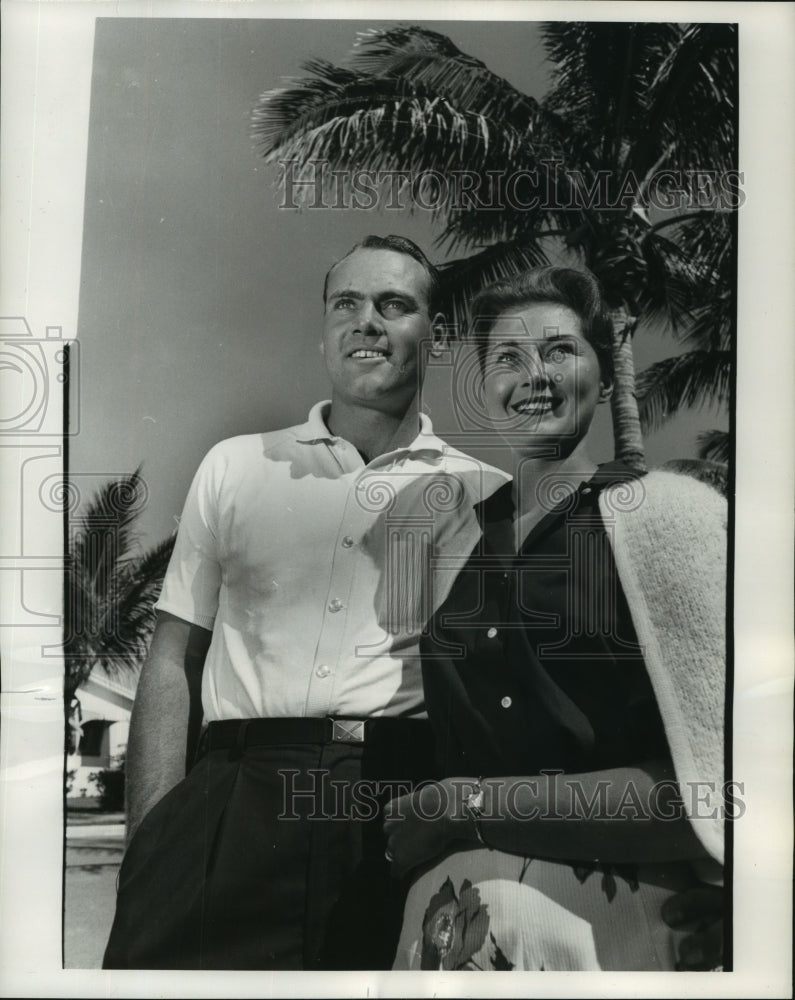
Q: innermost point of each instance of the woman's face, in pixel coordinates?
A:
(541, 376)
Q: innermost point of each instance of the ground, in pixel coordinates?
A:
(94, 846)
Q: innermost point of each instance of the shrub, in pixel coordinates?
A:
(110, 787)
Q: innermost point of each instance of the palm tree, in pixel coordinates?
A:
(626, 102)
(109, 587)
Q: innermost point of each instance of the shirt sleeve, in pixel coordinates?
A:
(193, 578)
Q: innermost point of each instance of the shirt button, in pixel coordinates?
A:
(491, 632)
(506, 702)
(335, 605)
(323, 670)
(347, 542)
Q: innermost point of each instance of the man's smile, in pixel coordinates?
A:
(369, 354)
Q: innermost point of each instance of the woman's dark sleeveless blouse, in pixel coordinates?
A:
(532, 663)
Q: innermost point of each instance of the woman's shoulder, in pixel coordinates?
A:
(666, 497)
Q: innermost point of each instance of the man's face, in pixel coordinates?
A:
(376, 316)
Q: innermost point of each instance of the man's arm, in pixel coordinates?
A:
(167, 714)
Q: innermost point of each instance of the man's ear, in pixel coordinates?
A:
(439, 334)
(605, 391)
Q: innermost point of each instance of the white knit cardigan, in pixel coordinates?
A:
(668, 534)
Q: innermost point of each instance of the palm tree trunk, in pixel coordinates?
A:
(624, 404)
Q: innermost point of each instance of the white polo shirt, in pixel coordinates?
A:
(311, 568)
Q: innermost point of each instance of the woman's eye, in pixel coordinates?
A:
(557, 355)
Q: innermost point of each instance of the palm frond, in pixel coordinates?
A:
(104, 529)
(462, 279)
(693, 379)
(672, 287)
(714, 446)
(109, 588)
(431, 60)
(714, 323)
(139, 587)
(710, 241)
(379, 124)
(692, 99)
(469, 226)
(600, 72)
(152, 565)
(709, 238)
(645, 95)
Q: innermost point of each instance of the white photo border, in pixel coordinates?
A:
(46, 82)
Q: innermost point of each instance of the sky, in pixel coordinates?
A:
(200, 295)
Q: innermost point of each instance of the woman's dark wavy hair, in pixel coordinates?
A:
(564, 286)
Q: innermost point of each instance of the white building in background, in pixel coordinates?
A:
(104, 714)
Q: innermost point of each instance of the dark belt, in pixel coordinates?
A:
(241, 733)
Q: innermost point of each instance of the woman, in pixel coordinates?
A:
(574, 678)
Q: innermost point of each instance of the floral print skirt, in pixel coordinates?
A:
(487, 910)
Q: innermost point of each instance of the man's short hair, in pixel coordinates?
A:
(577, 290)
(397, 244)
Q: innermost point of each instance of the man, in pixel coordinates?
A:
(289, 619)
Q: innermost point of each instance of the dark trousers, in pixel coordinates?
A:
(270, 857)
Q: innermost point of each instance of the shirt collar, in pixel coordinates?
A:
(316, 429)
(499, 505)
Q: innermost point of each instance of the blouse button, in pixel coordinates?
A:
(323, 670)
(491, 632)
(347, 542)
(335, 605)
(506, 702)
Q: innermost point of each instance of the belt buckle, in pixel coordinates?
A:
(347, 730)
